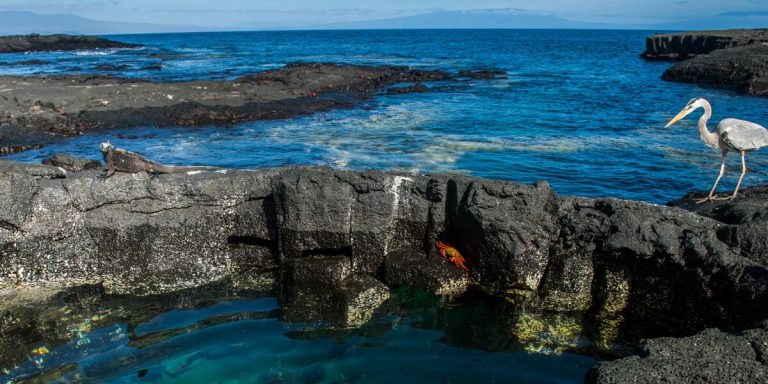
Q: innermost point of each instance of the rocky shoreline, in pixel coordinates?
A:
(39, 109)
(733, 59)
(332, 244)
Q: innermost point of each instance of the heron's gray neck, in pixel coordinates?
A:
(711, 139)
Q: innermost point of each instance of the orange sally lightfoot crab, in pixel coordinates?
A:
(452, 254)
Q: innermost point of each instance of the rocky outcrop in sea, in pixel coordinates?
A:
(35, 42)
(40, 109)
(733, 59)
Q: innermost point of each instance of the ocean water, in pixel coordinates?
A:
(579, 109)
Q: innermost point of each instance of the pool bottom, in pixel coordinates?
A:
(236, 336)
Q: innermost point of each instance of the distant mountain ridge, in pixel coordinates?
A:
(19, 23)
(473, 19)
(22, 23)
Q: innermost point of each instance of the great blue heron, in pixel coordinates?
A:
(730, 135)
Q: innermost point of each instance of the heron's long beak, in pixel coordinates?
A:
(679, 116)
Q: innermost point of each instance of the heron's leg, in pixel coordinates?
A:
(712, 191)
(741, 177)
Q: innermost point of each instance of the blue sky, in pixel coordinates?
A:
(270, 13)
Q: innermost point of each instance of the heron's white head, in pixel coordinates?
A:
(106, 146)
(690, 107)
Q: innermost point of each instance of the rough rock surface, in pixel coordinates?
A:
(708, 357)
(744, 220)
(38, 109)
(34, 42)
(685, 45)
(635, 270)
(743, 69)
(71, 163)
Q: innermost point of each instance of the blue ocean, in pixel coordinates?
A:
(579, 109)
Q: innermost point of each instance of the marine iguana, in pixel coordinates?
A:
(120, 160)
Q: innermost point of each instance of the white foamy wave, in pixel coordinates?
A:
(97, 52)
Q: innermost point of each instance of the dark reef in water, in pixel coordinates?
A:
(742, 69)
(39, 109)
(733, 59)
(333, 244)
(34, 42)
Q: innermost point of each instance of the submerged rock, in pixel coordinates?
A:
(326, 288)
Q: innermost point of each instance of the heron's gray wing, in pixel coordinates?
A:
(742, 135)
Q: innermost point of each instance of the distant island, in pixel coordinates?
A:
(35, 43)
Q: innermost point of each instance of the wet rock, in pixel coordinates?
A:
(484, 74)
(71, 163)
(108, 67)
(429, 273)
(152, 67)
(708, 357)
(325, 288)
(423, 75)
(416, 88)
(25, 62)
(685, 45)
(35, 42)
(508, 255)
(743, 69)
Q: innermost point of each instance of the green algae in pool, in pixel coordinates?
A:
(418, 338)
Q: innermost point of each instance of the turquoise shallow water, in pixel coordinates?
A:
(579, 109)
(417, 339)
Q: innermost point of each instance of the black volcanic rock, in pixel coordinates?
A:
(108, 67)
(484, 74)
(744, 219)
(707, 357)
(416, 88)
(45, 107)
(29, 43)
(685, 45)
(26, 62)
(72, 163)
(634, 270)
(743, 69)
